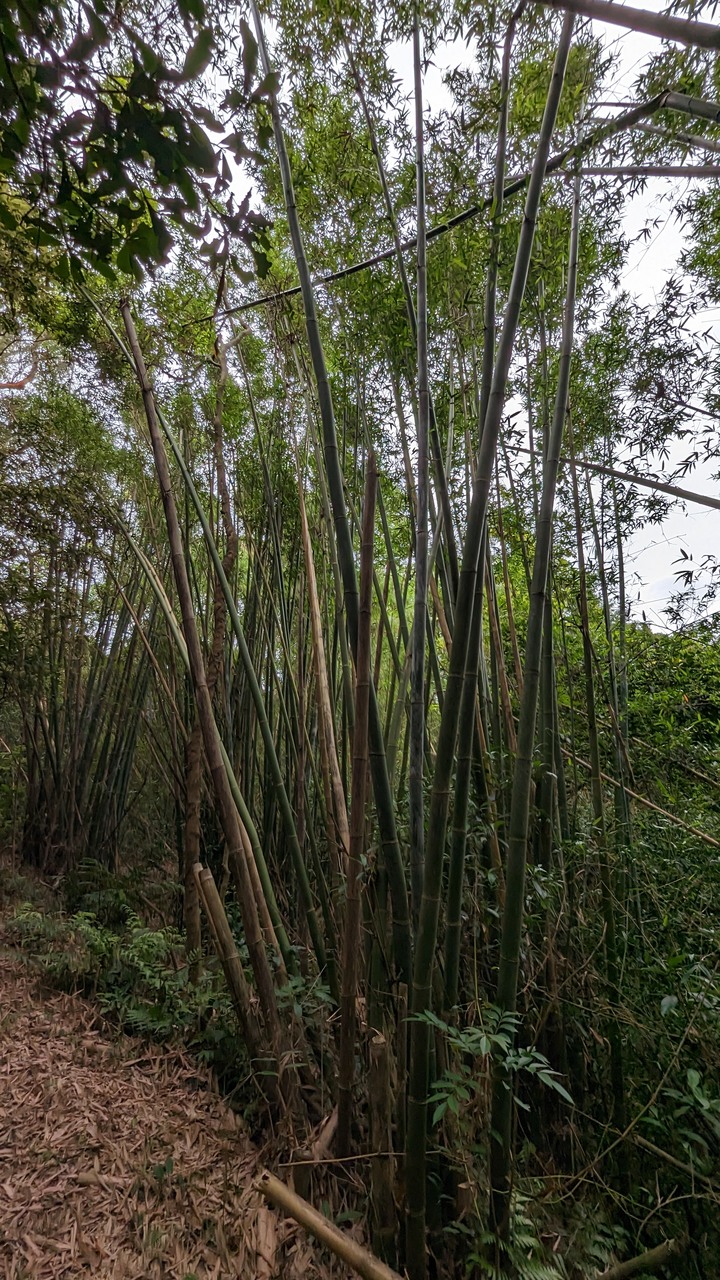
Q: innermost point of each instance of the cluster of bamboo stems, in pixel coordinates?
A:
(284, 708)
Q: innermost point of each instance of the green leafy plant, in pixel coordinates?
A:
(489, 1040)
(306, 999)
(529, 1257)
(139, 976)
(109, 181)
(692, 1118)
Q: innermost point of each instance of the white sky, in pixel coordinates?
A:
(650, 552)
(694, 529)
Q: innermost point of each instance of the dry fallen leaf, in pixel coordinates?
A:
(86, 1123)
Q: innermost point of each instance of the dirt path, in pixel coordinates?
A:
(116, 1158)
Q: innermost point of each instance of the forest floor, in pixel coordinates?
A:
(118, 1159)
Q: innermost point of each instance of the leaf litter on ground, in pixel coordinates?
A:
(119, 1159)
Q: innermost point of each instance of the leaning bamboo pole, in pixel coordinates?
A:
(649, 804)
(698, 35)
(247, 825)
(644, 482)
(227, 953)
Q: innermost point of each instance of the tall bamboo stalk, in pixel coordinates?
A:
(622, 807)
(351, 939)
(466, 725)
(413, 315)
(378, 764)
(513, 914)
(417, 670)
(193, 760)
(437, 825)
(599, 831)
(546, 790)
(337, 814)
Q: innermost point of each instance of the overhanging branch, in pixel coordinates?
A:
(699, 35)
(628, 477)
(669, 100)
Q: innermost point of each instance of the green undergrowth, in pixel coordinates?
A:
(90, 936)
(138, 975)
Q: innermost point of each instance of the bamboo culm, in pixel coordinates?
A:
(437, 825)
(606, 890)
(513, 913)
(378, 763)
(466, 724)
(417, 669)
(351, 939)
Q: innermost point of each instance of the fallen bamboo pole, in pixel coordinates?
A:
(650, 1261)
(647, 804)
(349, 1251)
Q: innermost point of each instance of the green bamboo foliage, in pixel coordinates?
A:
(445, 527)
(229, 659)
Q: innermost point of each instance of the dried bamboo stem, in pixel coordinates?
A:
(349, 1251)
(647, 804)
(649, 1261)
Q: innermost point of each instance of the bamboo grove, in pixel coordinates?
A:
(316, 598)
